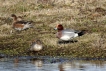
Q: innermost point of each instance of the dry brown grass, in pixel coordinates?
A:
(75, 14)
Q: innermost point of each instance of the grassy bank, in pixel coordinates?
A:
(89, 15)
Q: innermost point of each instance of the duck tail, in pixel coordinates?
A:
(81, 33)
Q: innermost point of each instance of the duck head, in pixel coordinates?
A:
(59, 27)
(14, 17)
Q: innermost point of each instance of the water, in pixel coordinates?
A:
(50, 64)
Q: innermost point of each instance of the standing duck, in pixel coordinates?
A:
(67, 34)
(36, 45)
(20, 24)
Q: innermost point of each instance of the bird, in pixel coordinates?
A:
(66, 35)
(19, 24)
(36, 45)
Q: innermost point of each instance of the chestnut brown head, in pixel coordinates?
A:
(13, 15)
(59, 27)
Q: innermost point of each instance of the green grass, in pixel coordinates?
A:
(46, 16)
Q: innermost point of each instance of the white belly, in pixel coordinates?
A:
(67, 37)
(19, 29)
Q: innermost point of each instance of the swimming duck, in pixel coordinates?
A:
(36, 45)
(67, 34)
(20, 24)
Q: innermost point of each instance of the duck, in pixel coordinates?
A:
(19, 24)
(67, 34)
(36, 45)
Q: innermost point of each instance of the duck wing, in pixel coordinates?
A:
(71, 30)
(24, 22)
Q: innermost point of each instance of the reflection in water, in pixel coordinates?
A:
(83, 66)
(97, 63)
(16, 61)
(51, 64)
(37, 62)
(61, 67)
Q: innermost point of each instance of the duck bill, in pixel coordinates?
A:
(55, 28)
